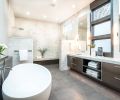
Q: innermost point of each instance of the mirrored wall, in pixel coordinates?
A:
(82, 28)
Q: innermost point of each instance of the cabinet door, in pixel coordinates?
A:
(9, 64)
(111, 75)
(77, 64)
(69, 60)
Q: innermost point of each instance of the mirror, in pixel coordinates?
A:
(82, 31)
(82, 28)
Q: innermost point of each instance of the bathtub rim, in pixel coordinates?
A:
(3, 93)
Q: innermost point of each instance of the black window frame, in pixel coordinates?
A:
(94, 6)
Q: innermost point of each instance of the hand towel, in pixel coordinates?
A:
(23, 54)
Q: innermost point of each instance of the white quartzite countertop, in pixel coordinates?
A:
(98, 58)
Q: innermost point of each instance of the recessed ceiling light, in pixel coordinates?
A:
(57, 19)
(45, 16)
(73, 6)
(27, 13)
(53, 4)
(54, 0)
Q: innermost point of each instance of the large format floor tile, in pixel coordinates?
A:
(69, 85)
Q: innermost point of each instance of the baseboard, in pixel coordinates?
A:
(64, 68)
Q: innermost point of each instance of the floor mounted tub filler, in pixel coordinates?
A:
(27, 82)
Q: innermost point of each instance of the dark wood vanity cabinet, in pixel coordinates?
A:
(69, 60)
(108, 73)
(75, 63)
(111, 75)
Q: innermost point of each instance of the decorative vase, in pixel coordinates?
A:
(93, 53)
(42, 56)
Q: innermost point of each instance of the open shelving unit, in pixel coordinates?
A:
(93, 70)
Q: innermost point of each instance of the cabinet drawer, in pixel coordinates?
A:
(112, 80)
(75, 60)
(111, 68)
(76, 67)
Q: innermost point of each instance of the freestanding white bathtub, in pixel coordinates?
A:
(27, 82)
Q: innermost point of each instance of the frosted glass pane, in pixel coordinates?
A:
(102, 29)
(102, 12)
(105, 44)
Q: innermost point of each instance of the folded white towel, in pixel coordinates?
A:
(23, 54)
(92, 73)
(93, 64)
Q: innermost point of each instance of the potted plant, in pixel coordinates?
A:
(42, 51)
(2, 48)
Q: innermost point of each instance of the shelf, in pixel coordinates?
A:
(92, 76)
(98, 70)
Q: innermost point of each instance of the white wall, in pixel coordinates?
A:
(45, 35)
(11, 20)
(3, 24)
(20, 44)
(116, 29)
(3, 21)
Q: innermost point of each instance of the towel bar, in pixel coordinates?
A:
(18, 50)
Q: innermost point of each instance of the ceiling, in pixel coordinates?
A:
(48, 10)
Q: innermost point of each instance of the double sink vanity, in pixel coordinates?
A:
(104, 70)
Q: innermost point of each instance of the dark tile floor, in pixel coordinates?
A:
(69, 85)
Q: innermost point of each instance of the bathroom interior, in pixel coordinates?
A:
(59, 49)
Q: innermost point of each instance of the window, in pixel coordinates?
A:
(105, 43)
(101, 27)
(102, 12)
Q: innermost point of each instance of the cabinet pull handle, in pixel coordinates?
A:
(117, 78)
(74, 64)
